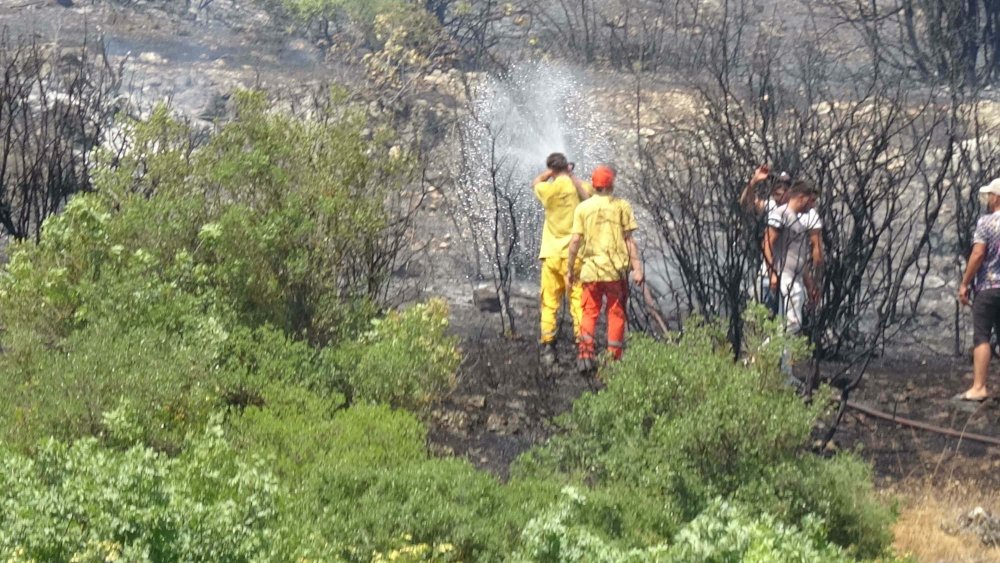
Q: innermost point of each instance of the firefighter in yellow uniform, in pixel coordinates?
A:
(560, 192)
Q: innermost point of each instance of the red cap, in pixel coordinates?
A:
(603, 177)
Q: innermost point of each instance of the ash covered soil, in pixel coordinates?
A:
(922, 390)
(504, 403)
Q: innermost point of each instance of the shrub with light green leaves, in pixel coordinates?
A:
(81, 502)
(195, 275)
(724, 532)
(683, 423)
(406, 358)
(364, 476)
(164, 383)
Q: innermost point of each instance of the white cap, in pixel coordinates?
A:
(991, 188)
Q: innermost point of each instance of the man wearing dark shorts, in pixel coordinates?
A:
(984, 269)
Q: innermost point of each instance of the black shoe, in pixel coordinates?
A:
(586, 366)
(548, 354)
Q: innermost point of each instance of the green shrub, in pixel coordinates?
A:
(193, 276)
(85, 503)
(724, 532)
(165, 384)
(840, 491)
(364, 475)
(684, 423)
(406, 359)
(253, 359)
(559, 535)
(436, 501)
(277, 221)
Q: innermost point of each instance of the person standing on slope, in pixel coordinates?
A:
(761, 206)
(983, 272)
(602, 237)
(793, 253)
(560, 192)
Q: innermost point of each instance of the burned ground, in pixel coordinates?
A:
(504, 403)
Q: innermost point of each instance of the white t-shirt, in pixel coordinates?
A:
(770, 206)
(792, 251)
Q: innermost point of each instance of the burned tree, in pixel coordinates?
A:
(491, 213)
(867, 148)
(54, 107)
(944, 41)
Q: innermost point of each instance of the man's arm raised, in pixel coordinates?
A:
(542, 178)
(581, 191)
(748, 199)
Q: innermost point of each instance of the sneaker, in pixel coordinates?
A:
(586, 366)
(548, 354)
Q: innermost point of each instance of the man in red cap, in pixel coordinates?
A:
(602, 237)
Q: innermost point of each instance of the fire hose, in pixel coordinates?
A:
(981, 438)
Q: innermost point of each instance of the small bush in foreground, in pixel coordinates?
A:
(86, 503)
(364, 476)
(723, 533)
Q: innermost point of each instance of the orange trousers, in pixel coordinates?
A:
(594, 294)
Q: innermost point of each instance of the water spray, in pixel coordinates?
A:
(517, 120)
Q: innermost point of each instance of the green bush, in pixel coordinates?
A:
(405, 359)
(364, 475)
(194, 276)
(277, 221)
(686, 424)
(722, 533)
(840, 491)
(164, 383)
(85, 503)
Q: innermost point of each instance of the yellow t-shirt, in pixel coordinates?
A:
(602, 222)
(559, 198)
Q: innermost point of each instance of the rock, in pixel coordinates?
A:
(495, 423)
(151, 58)
(646, 132)
(516, 404)
(980, 522)
(513, 425)
(443, 246)
(475, 401)
(486, 299)
(935, 282)
(883, 397)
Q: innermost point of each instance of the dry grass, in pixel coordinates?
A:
(925, 506)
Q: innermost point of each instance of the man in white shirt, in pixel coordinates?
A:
(761, 205)
(793, 253)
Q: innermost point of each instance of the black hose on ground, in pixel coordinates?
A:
(983, 439)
